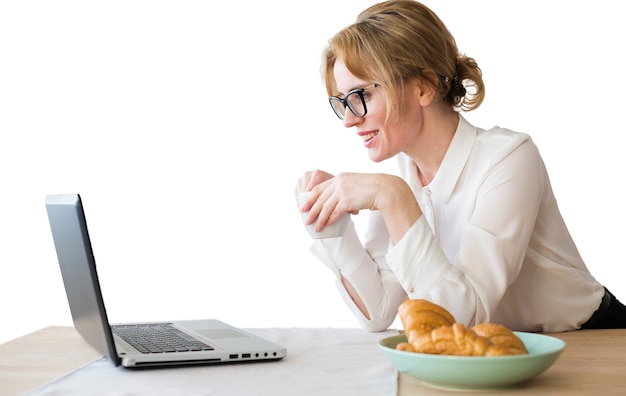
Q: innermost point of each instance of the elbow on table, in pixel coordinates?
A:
(376, 325)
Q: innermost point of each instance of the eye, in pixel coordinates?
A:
(354, 97)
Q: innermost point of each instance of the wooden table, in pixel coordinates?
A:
(594, 362)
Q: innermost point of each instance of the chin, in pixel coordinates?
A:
(377, 158)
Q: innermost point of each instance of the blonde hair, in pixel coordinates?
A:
(396, 41)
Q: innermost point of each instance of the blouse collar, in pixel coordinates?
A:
(454, 161)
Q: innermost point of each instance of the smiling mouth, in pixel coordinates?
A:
(369, 136)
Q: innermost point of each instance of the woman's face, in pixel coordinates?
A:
(382, 139)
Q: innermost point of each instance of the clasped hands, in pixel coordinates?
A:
(331, 196)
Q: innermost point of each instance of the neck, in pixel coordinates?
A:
(433, 145)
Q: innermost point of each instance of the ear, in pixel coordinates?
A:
(424, 90)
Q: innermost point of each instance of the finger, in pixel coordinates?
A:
(317, 177)
(327, 215)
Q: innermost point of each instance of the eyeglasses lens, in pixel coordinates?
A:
(338, 107)
(354, 101)
(356, 104)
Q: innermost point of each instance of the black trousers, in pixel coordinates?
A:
(610, 315)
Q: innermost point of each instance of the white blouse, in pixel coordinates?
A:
(491, 245)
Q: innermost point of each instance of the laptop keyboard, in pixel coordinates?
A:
(158, 338)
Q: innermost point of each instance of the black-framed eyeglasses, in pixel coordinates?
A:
(354, 100)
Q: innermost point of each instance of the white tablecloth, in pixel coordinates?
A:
(321, 361)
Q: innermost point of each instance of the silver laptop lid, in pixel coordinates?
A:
(78, 269)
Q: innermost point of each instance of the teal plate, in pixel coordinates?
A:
(476, 372)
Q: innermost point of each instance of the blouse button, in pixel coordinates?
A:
(412, 290)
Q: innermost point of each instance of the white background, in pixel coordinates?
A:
(185, 125)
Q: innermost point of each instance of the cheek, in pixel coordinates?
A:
(399, 136)
(377, 108)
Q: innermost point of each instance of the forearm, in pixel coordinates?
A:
(356, 299)
(373, 294)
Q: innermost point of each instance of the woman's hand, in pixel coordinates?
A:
(310, 180)
(352, 192)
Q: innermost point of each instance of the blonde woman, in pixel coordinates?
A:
(471, 222)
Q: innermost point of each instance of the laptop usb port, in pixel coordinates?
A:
(233, 356)
(245, 355)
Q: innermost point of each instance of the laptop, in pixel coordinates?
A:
(136, 345)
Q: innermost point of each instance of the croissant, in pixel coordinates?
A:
(429, 328)
(501, 336)
(422, 316)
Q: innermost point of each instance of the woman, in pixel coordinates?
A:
(471, 222)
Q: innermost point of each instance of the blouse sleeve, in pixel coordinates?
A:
(366, 270)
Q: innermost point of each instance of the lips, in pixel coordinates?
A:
(368, 136)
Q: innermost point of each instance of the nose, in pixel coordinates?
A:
(350, 120)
